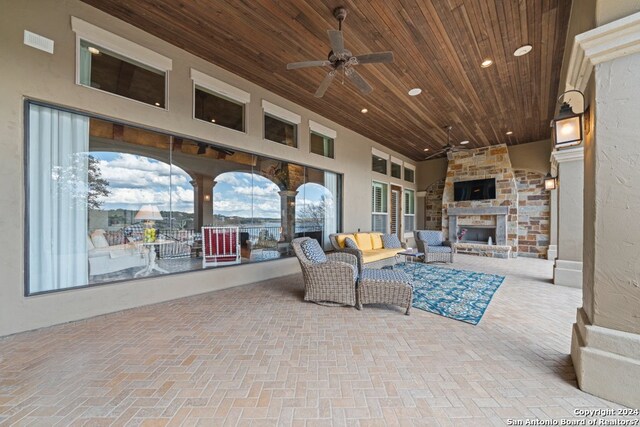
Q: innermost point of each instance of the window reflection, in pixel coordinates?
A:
(144, 203)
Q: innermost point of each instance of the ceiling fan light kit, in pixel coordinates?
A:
(342, 60)
(449, 147)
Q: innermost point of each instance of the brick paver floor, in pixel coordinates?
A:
(259, 355)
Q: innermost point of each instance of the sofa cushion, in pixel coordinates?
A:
(350, 243)
(99, 240)
(340, 238)
(364, 241)
(312, 250)
(373, 255)
(391, 241)
(431, 237)
(376, 241)
(89, 244)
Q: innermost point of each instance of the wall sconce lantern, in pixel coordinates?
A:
(207, 197)
(567, 125)
(550, 182)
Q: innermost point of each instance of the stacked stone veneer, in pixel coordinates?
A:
(433, 206)
(481, 163)
(533, 214)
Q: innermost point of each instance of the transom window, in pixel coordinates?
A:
(105, 70)
(219, 110)
(280, 131)
(322, 145)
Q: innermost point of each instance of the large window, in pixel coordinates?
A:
(102, 69)
(110, 202)
(379, 210)
(409, 211)
(218, 110)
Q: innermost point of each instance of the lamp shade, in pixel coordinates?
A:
(567, 127)
(149, 212)
(550, 183)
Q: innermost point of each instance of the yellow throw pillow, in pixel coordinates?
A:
(342, 237)
(364, 241)
(376, 241)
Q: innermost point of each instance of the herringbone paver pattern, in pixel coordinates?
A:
(259, 355)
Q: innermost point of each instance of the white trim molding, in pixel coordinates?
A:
(322, 130)
(379, 153)
(281, 113)
(396, 160)
(218, 86)
(567, 273)
(613, 40)
(567, 155)
(120, 45)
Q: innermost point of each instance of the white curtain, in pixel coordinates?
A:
(331, 208)
(85, 65)
(58, 185)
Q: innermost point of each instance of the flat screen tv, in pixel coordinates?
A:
(479, 189)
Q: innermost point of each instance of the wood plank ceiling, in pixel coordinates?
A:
(438, 47)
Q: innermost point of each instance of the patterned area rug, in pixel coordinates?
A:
(457, 294)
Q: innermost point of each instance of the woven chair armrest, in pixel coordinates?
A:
(343, 257)
(332, 269)
(358, 254)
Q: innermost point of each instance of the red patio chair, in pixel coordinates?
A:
(220, 246)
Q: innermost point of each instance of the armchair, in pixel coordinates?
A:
(331, 282)
(433, 245)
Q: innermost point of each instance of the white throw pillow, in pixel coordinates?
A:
(98, 239)
(89, 244)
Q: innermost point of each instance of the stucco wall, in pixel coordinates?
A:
(30, 73)
(614, 204)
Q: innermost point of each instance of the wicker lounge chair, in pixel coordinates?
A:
(329, 283)
(433, 245)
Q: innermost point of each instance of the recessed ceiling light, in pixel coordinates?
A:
(93, 50)
(509, 133)
(523, 50)
(464, 142)
(364, 110)
(426, 149)
(157, 104)
(213, 120)
(487, 63)
(415, 91)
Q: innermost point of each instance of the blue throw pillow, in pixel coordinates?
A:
(391, 241)
(312, 250)
(350, 243)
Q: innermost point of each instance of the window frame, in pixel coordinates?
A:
(282, 114)
(222, 90)
(325, 132)
(410, 167)
(405, 214)
(132, 52)
(385, 201)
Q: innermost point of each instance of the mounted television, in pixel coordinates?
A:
(479, 189)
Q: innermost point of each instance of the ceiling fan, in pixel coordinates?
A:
(449, 148)
(341, 60)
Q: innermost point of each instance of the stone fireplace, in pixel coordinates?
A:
(496, 218)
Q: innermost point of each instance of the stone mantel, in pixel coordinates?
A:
(484, 210)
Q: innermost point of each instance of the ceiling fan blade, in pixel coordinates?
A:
(437, 153)
(357, 79)
(336, 40)
(377, 57)
(307, 64)
(325, 84)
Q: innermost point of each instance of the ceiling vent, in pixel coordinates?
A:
(37, 41)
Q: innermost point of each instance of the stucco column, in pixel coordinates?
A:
(568, 266)
(605, 346)
(288, 214)
(552, 252)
